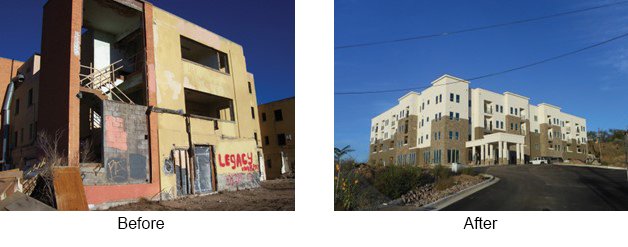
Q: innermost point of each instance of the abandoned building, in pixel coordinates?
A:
(147, 104)
(277, 125)
(450, 122)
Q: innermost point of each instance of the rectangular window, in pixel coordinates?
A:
(250, 88)
(449, 159)
(278, 115)
(457, 135)
(451, 97)
(457, 116)
(281, 139)
(263, 117)
(457, 98)
(266, 140)
(203, 55)
(208, 105)
(252, 112)
(511, 111)
(30, 97)
(255, 137)
(440, 97)
(436, 99)
(451, 115)
(451, 135)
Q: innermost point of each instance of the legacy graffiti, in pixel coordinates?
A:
(242, 161)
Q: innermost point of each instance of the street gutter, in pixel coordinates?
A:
(453, 198)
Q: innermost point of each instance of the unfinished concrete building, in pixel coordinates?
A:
(147, 104)
(277, 125)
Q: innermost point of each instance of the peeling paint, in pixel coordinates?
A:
(77, 44)
(174, 85)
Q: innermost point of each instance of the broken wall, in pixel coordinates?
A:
(125, 146)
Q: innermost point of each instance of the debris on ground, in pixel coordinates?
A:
(10, 183)
(12, 197)
(18, 201)
(272, 195)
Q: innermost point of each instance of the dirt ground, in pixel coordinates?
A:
(273, 195)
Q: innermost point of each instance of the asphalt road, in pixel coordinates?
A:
(549, 187)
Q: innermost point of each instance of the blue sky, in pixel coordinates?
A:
(264, 28)
(591, 84)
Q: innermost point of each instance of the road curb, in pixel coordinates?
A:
(451, 199)
(593, 166)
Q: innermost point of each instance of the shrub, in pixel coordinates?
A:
(468, 171)
(394, 181)
(346, 184)
(441, 172)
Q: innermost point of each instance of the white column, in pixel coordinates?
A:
(518, 152)
(482, 154)
(500, 151)
(522, 152)
(491, 152)
(506, 152)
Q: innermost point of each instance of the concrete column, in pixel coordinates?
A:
(491, 154)
(500, 151)
(518, 149)
(482, 154)
(506, 153)
(522, 153)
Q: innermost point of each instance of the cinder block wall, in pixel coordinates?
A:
(125, 143)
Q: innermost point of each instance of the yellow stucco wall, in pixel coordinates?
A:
(173, 74)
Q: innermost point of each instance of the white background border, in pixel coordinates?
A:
(315, 223)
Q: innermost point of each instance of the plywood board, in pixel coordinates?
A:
(69, 190)
(15, 173)
(21, 202)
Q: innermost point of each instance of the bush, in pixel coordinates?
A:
(346, 193)
(441, 172)
(468, 171)
(394, 181)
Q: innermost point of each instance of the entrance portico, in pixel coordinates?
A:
(497, 148)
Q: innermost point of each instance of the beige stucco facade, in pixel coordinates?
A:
(175, 74)
(278, 136)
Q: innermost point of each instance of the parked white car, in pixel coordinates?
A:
(539, 161)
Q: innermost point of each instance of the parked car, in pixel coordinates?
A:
(539, 161)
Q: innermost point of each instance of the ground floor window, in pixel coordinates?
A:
(453, 155)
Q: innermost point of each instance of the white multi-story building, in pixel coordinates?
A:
(451, 122)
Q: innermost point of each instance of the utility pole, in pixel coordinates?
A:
(626, 151)
(599, 143)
